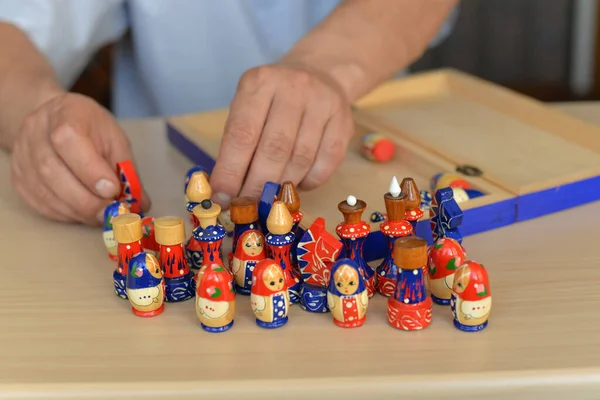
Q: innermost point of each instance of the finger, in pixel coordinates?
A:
(332, 150)
(247, 116)
(60, 180)
(275, 145)
(82, 158)
(34, 194)
(307, 143)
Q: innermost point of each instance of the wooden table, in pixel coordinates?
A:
(64, 334)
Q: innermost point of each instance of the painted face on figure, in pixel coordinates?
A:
(461, 279)
(346, 279)
(273, 278)
(253, 244)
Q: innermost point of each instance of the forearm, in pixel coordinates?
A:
(26, 81)
(364, 42)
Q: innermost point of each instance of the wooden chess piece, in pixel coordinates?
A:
(270, 300)
(471, 301)
(347, 295)
(413, 211)
(131, 187)
(289, 196)
(209, 233)
(188, 177)
(149, 239)
(248, 242)
(279, 242)
(445, 216)
(396, 226)
(127, 229)
(198, 189)
(170, 235)
(410, 306)
(445, 256)
(145, 285)
(317, 251)
(353, 232)
(111, 211)
(215, 298)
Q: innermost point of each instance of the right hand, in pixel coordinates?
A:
(64, 159)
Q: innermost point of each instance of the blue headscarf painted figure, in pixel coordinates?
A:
(145, 285)
(347, 295)
(112, 210)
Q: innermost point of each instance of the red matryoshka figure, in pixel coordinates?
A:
(471, 301)
(127, 229)
(148, 240)
(270, 299)
(445, 256)
(347, 294)
(248, 253)
(215, 298)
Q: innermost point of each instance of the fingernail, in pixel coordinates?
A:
(106, 188)
(100, 216)
(222, 199)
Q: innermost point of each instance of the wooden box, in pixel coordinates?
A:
(534, 160)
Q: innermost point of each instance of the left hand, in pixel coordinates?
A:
(286, 123)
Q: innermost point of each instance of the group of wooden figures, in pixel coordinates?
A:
(279, 264)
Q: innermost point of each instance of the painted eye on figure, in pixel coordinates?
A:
(258, 244)
(339, 284)
(459, 285)
(272, 283)
(280, 280)
(248, 245)
(156, 271)
(351, 283)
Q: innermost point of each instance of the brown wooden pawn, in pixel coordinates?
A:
(413, 211)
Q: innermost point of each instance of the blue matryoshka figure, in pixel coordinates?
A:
(145, 285)
(347, 295)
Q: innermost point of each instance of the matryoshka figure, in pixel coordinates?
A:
(215, 298)
(270, 298)
(445, 256)
(145, 285)
(249, 252)
(112, 210)
(471, 301)
(347, 295)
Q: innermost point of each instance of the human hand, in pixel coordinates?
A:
(64, 159)
(286, 123)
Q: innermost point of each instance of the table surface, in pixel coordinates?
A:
(64, 333)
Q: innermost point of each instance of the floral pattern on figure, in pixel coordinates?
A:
(445, 256)
(127, 230)
(269, 297)
(249, 252)
(215, 298)
(145, 285)
(347, 295)
(410, 307)
(471, 301)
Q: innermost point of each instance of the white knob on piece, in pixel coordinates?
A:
(351, 200)
(395, 187)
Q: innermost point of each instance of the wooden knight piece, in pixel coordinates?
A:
(445, 216)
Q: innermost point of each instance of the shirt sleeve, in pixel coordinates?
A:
(67, 32)
(446, 28)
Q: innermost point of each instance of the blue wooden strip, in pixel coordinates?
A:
(190, 149)
(560, 198)
(270, 191)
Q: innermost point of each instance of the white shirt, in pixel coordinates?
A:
(183, 55)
